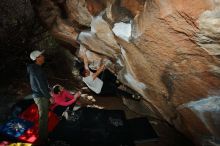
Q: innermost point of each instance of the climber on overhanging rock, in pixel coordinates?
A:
(102, 81)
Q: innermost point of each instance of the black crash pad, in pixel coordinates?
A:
(141, 130)
(91, 126)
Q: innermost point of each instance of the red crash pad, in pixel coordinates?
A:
(31, 114)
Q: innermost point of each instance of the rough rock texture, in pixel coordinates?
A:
(169, 54)
(17, 18)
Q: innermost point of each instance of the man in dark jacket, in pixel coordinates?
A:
(40, 92)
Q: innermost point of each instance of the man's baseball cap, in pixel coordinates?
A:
(36, 53)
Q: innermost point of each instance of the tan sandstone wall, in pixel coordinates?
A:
(168, 53)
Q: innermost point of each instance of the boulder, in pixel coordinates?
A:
(168, 53)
